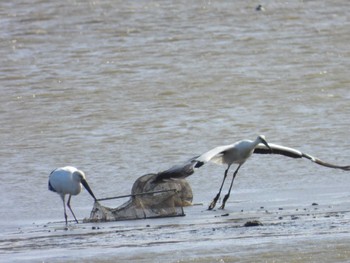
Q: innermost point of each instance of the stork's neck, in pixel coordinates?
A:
(256, 142)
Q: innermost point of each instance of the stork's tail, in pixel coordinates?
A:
(51, 188)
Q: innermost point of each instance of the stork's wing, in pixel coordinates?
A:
(290, 152)
(214, 155)
(179, 171)
(186, 169)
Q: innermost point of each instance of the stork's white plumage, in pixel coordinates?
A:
(68, 180)
(237, 153)
(240, 151)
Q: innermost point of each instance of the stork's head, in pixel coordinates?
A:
(261, 138)
(80, 176)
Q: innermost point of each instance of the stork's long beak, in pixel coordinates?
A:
(267, 145)
(87, 187)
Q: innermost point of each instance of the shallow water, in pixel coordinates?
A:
(120, 89)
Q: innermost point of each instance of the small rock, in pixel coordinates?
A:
(314, 204)
(280, 218)
(225, 214)
(260, 8)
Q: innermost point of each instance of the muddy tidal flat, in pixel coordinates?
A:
(269, 233)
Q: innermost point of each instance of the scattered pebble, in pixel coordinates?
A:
(280, 218)
(314, 204)
(260, 8)
(280, 208)
(253, 223)
(148, 225)
(225, 214)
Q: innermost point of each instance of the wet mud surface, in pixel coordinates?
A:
(261, 234)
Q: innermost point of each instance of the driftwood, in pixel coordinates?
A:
(149, 199)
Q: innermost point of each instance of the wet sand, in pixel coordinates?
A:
(286, 233)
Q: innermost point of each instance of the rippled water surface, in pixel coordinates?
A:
(124, 88)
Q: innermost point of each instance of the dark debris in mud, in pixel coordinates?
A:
(253, 223)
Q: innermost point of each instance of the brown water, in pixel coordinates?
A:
(124, 88)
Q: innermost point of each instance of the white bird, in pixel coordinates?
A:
(68, 180)
(237, 153)
(240, 151)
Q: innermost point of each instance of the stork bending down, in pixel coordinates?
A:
(68, 180)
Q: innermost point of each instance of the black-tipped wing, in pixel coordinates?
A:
(179, 171)
(49, 184)
(290, 152)
(278, 149)
(51, 188)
